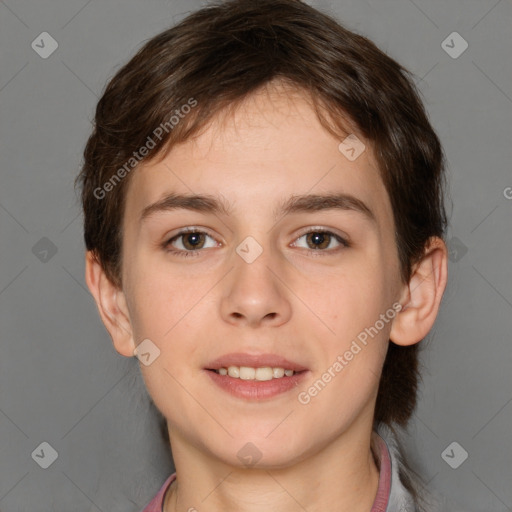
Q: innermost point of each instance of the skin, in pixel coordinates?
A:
(303, 306)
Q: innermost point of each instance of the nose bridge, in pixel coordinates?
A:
(253, 258)
(252, 261)
(254, 293)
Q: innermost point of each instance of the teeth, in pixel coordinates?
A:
(261, 374)
(247, 373)
(234, 371)
(277, 373)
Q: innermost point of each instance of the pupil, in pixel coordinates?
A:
(319, 238)
(193, 239)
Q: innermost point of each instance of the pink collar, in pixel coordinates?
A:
(380, 503)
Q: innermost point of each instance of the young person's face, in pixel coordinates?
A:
(292, 301)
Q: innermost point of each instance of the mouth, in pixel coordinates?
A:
(255, 377)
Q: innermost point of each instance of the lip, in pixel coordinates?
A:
(254, 389)
(254, 361)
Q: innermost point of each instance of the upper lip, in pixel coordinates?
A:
(254, 361)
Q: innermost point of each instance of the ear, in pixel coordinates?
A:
(422, 296)
(111, 304)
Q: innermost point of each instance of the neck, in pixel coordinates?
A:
(342, 476)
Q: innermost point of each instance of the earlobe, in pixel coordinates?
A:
(111, 306)
(421, 297)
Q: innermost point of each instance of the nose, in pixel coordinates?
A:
(255, 293)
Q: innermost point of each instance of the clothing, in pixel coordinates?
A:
(155, 505)
(391, 495)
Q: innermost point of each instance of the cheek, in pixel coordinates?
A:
(355, 353)
(159, 298)
(354, 295)
(351, 306)
(168, 309)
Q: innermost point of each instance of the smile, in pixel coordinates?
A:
(255, 376)
(249, 373)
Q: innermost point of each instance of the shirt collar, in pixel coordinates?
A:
(391, 496)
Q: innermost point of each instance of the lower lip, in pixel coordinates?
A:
(256, 389)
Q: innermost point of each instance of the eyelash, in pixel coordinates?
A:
(194, 253)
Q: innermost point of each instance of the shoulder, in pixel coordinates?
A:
(439, 503)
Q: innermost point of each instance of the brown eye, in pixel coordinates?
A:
(193, 240)
(189, 242)
(318, 239)
(322, 241)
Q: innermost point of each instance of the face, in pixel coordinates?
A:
(248, 277)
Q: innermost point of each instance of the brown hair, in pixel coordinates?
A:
(217, 57)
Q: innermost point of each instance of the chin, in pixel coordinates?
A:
(253, 451)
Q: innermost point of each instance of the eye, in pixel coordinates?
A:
(188, 241)
(320, 239)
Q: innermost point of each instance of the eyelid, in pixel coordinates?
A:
(189, 229)
(322, 229)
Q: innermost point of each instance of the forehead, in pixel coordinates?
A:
(269, 147)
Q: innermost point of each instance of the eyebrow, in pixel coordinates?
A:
(295, 204)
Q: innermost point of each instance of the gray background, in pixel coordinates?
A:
(61, 381)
